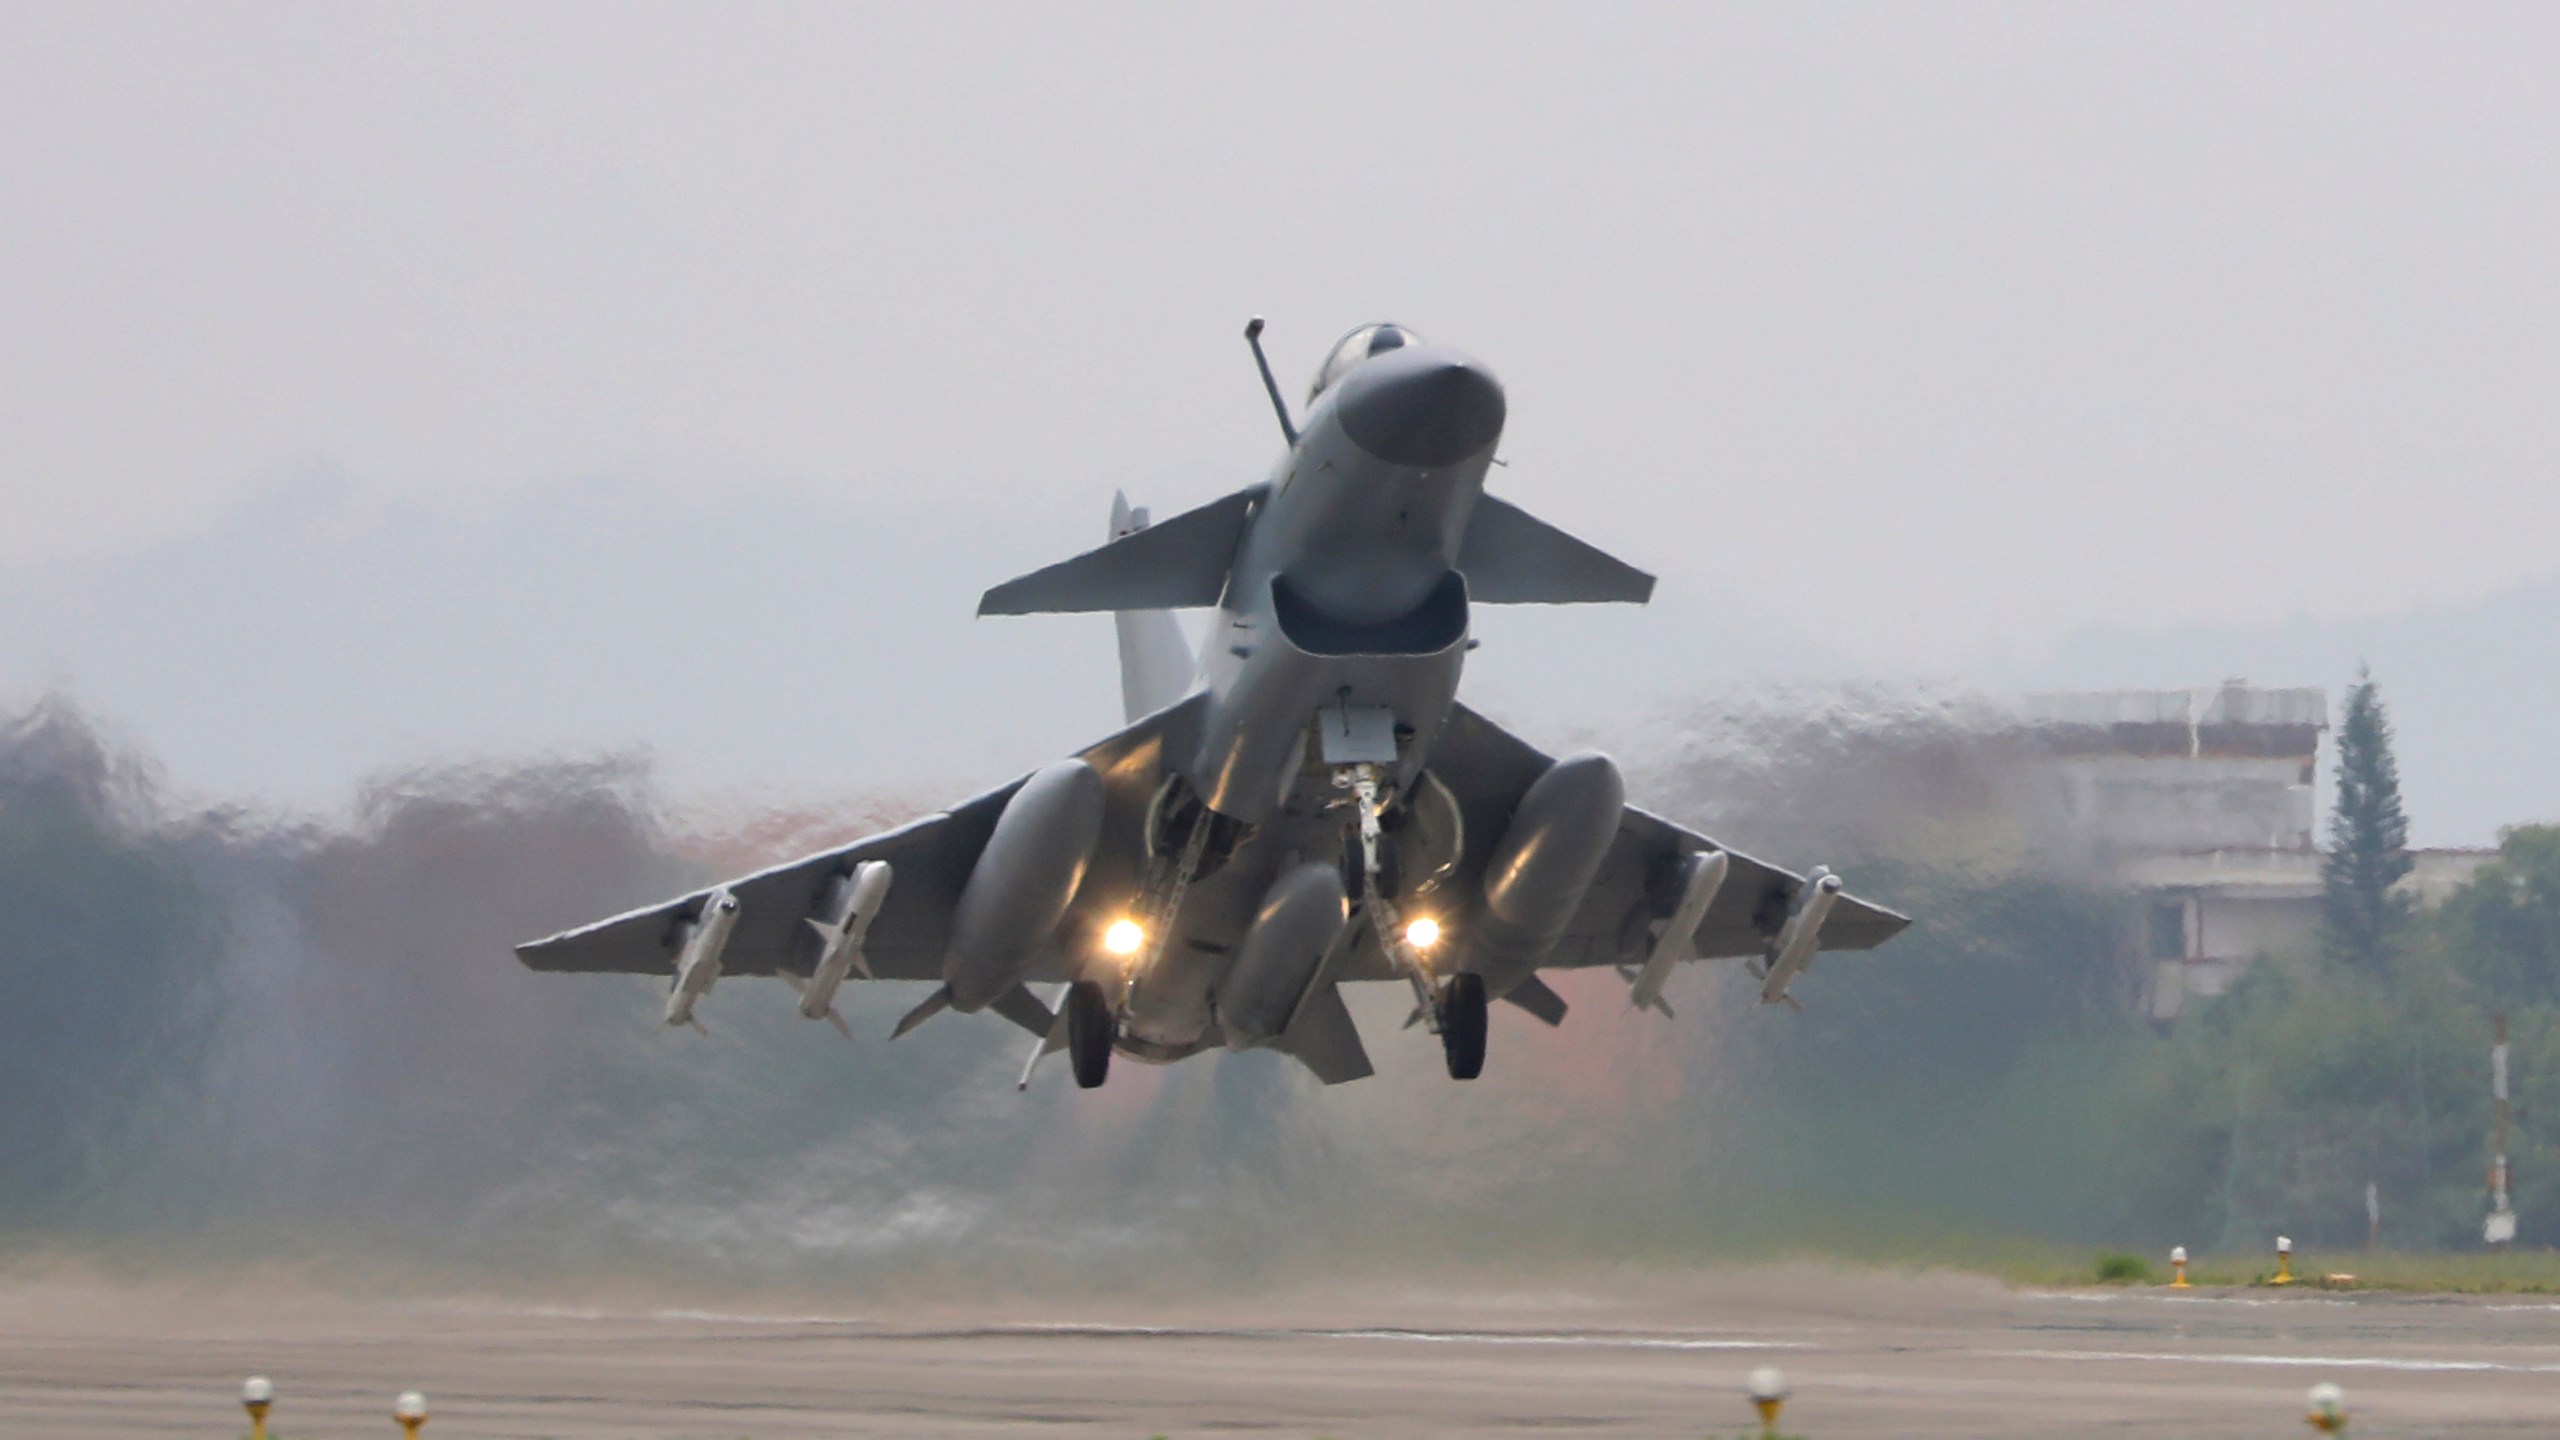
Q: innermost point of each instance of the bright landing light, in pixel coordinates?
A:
(1123, 937)
(1422, 933)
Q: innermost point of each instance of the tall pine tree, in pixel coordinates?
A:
(2368, 836)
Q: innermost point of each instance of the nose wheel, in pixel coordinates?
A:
(1462, 1024)
(1088, 1034)
(1456, 1006)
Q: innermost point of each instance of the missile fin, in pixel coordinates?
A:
(934, 1004)
(1025, 1009)
(1538, 998)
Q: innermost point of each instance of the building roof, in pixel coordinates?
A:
(2232, 719)
(2244, 874)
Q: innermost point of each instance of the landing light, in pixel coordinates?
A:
(1123, 938)
(1422, 933)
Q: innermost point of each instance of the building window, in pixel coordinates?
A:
(2169, 930)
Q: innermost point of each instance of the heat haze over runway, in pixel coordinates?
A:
(1592, 1354)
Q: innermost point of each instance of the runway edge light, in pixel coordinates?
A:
(411, 1411)
(2178, 1263)
(1767, 1389)
(256, 1394)
(2328, 1409)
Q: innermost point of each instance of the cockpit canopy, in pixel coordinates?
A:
(1355, 347)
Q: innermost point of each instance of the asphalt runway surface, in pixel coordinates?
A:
(1652, 1354)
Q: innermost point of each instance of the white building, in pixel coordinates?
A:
(2202, 803)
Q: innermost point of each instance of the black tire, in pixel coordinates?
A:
(1462, 1025)
(1088, 1034)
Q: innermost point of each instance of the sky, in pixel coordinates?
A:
(391, 383)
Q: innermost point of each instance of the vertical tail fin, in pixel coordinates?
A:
(1156, 663)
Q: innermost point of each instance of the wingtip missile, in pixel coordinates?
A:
(1800, 938)
(699, 943)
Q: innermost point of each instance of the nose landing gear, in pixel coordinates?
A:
(1454, 1007)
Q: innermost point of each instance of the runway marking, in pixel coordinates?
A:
(1579, 1340)
(2325, 1362)
(1068, 1329)
(675, 1317)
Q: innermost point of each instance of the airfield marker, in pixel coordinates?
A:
(2178, 1263)
(2500, 1230)
(2284, 1262)
(2328, 1409)
(1768, 1391)
(256, 1394)
(411, 1411)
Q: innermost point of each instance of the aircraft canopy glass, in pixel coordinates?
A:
(1355, 347)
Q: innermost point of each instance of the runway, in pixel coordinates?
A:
(1868, 1354)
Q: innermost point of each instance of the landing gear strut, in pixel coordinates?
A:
(1454, 1007)
(1462, 1022)
(1089, 1033)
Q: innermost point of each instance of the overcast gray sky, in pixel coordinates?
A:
(386, 382)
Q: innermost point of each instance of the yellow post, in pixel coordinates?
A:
(2284, 1262)
(2328, 1413)
(1768, 1392)
(411, 1411)
(255, 1396)
(2178, 1263)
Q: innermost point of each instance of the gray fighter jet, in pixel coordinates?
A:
(1302, 805)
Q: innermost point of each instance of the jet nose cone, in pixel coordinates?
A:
(1421, 406)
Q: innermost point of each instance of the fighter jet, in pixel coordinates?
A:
(1301, 805)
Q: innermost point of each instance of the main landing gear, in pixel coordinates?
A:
(1462, 1022)
(1185, 840)
(1089, 1025)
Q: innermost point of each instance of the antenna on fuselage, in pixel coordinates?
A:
(1279, 407)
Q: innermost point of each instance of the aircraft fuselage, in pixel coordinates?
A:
(1345, 593)
(1345, 610)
